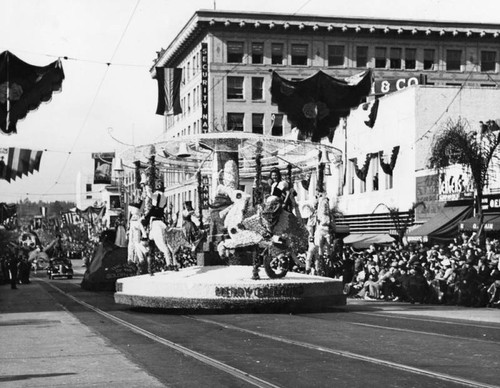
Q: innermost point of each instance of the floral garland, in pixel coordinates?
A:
(389, 167)
(361, 172)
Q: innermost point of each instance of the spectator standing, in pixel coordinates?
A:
(13, 263)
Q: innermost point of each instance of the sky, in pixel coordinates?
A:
(106, 108)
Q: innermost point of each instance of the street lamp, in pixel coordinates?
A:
(119, 174)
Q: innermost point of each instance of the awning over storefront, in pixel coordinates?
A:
(443, 226)
(491, 223)
(364, 240)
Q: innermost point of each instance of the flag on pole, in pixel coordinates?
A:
(23, 87)
(169, 91)
(16, 162)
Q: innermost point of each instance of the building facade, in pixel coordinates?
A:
(227, 59)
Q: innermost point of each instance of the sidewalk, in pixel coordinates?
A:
(480, 315)
(45, 346)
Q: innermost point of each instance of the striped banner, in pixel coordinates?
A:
(16, 162)
(169, 86)
(70, 218)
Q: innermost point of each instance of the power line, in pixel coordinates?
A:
(446, 110)
(95, 98)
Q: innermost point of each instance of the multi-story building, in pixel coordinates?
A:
(227, 59)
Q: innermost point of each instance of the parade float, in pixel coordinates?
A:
(254, 247)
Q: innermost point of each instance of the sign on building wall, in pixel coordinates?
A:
(389, 85)
(491, 203)
(204, 87)
(455, 183)
(102, 167)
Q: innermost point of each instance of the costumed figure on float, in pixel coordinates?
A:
(276, 234)
(319, 226)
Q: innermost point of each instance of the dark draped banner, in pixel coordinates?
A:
(23, 87)
(316, 104)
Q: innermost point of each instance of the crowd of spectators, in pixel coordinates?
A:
(457, 273)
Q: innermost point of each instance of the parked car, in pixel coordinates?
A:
(60, 267)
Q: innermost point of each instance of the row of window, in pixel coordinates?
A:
(376, 178)
(382, 57)
(235, 88)
(236, 122)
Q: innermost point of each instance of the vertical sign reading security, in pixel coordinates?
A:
(204, 87)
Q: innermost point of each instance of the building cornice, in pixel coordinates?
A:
(205, 20)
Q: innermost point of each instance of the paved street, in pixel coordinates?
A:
(53, 333)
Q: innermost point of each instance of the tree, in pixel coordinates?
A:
(401, 224)
(458, 144)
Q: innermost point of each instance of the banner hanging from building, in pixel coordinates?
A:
(102, 167)
(204, 88)
(16, 162)
(23, 87)
(169, 91)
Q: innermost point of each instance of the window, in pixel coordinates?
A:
(276, 124)
(410, 58)
(88, 197)
(257, 52)
(188, 69)
(299, 54)
(235, 52)
(277, 53)
(189, 102)
(453, 59)
(429, 55)
(488, 60)
(257, 88)
(395, 59)
(361, 56)
(194, 65)
(235, 88)
(375, 173)
(88, 187)
(388, 181)
(351, 174)
(258, 123)
(380, 58)
(335, 55)
(235, 121)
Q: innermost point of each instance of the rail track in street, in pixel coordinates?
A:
(343, 347)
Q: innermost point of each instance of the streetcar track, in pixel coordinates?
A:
(242, 375)
(346, 354)
(256, 381)
(419, 332)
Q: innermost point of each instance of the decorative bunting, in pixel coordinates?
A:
(361, 172)
(16, 162)
(389, 167)
(23, 87)
(372, 116)
(316, 104)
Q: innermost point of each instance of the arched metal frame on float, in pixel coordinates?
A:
(190, 154)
